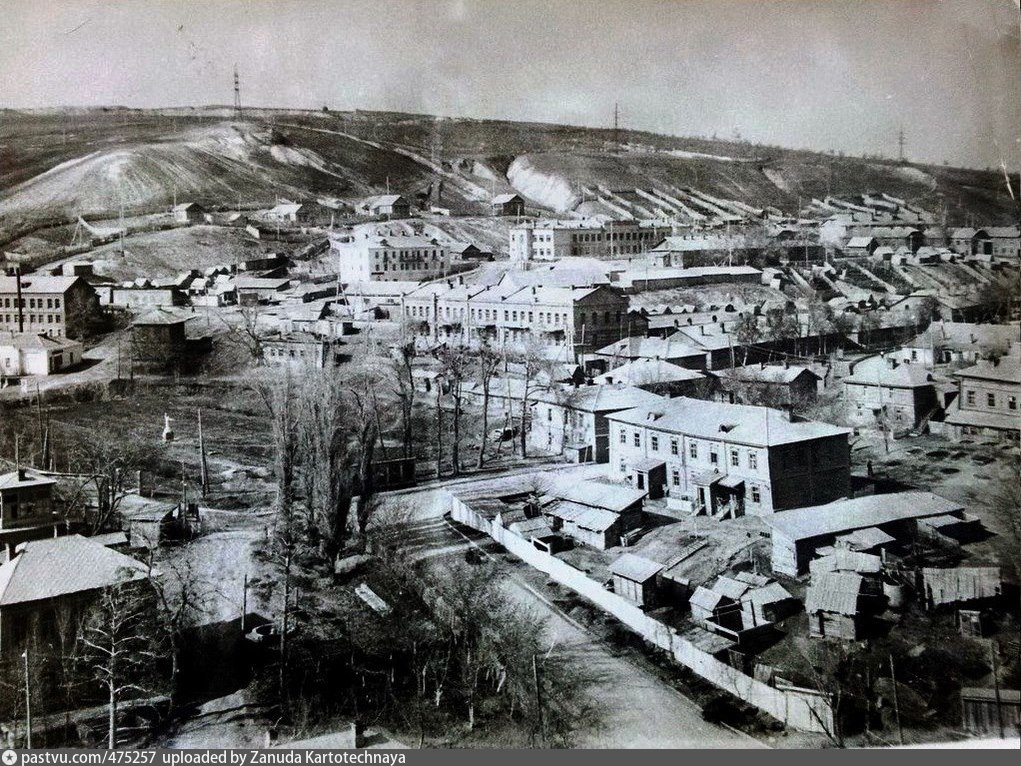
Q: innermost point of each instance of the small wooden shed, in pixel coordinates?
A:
(634, 578)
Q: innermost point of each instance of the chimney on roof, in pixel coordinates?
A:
(891, 362)
(21, 474)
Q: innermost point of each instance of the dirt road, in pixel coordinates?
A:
(639, 710)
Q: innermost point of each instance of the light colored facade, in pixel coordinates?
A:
(29, 354)
(732, 459)
(579, 319)
(989, 398)
(55, 306)
(399, 258)
(549, 240)
(889, 392)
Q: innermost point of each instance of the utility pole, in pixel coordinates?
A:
(538, 699)
(237, 94)
(203, 466)
(244, 604)
(900, 144)
(616, 123)
(28, 704)
(896, 703)
(996, 686)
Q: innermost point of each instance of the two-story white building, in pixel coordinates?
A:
(391, 258)
(581, 319)
(549, 240)
(729, 459)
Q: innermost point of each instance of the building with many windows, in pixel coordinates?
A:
(55, 306)
(730, 459)
(987, 402)
(581, 319)
(391, 258)
(549, 240)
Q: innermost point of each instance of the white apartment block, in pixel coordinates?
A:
(549, 240)
(391, 258)
(729, 459)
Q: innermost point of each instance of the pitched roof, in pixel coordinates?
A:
(866, 539)
(381, 200)
(161, 316)
(31, 479)
(648, 371)
(597, 495)
(32, 284)
(634, 567)
(26, 340)
(860, 241)
(706, 598)
(947, 586)
(604, 398)
(1007, 370)
(966, 335)
(772, 373)
(674, 347)
(501, 199)
(740, 423)
(877, 372)
(834, 592)
(858, 513)
(584, 516)
(843, 560)
(61, 566)
(730, 587)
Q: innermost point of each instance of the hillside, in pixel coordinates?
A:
(62, 164)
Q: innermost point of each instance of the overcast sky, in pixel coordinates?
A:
(830, 74)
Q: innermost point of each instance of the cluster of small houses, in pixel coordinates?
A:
(851, 566)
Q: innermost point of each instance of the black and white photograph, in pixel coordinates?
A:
(382, 376)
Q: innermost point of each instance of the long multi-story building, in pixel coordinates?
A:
(549, 240)
(729, 458)
(44, 305)
(391, 258)
(579, 318)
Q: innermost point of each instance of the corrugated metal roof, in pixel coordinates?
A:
(834, 592)
(947, 586)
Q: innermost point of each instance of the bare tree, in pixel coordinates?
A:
(242, 330)
(747, 332)
(536, 370)
(123, 647)
(455, 369)
(404, 388)
(105, 464)
(487, 362)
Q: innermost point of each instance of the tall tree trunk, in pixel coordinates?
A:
(112, 734)
(456, 445)
(485, 424)
(439, 430)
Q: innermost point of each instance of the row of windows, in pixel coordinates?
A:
(714, 457)
(33, 303)
(34, 318)
(970, 398)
